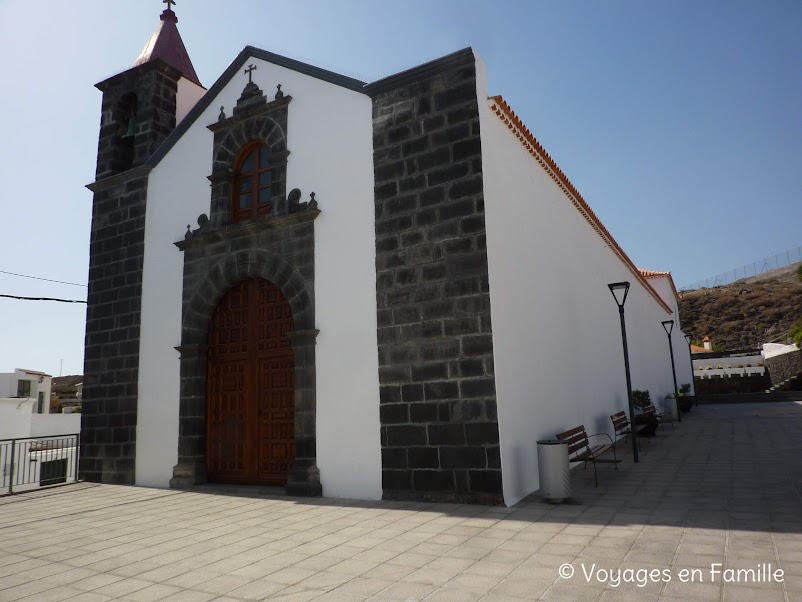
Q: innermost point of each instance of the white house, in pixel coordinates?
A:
(28, 383)
(365, 290)
(36, 448)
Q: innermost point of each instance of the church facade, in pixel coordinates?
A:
(349, 289)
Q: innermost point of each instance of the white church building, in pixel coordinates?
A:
(347, 289)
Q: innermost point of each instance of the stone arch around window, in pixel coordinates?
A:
(230, 145)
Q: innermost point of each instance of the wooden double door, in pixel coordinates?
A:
(250, 401)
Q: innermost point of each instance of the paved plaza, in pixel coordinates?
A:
(723, 489)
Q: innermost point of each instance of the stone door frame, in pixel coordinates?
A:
(199, 305)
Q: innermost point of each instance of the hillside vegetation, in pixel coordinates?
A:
(746, 313)
(64, 386)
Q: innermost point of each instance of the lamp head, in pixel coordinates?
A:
(619, 291)
(668, 325)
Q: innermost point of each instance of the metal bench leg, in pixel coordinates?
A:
(595, 474)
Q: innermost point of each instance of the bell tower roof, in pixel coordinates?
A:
(166, 44)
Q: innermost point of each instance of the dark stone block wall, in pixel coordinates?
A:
(116, 251)
(155, 87)
(111, 354)
(439, 428)
(782, 367)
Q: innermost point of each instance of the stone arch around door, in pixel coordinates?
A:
(199, 305)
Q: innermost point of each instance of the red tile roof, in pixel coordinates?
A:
(653, 273)
(500, 107)
(166, 44)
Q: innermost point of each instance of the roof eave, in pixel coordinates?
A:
(531, 144)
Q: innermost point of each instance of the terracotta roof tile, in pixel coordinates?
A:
(653, 273)
(500, 107)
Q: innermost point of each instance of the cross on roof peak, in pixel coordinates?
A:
(249, 73)
(169, 3)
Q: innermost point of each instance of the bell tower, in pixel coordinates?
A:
(139, 111)
(140, 104)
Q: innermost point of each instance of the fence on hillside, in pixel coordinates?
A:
(774, 262)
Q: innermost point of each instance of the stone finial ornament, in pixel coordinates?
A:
(251, 94)
(203, 221)
(312, 202)
(188, 235)
(222, 116)
(294, 196)
(279, 93)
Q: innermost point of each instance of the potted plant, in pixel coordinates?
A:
(642, 399)
(685, 400)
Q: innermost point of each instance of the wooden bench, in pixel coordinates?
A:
(623, 427)
(659, 415)
(580, 449)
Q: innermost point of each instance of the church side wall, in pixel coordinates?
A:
(682, 355)
(556, 331)
(663, 287)
(333, 158)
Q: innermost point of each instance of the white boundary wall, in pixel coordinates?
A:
(556, 330)
(330, 139)
(50, 425)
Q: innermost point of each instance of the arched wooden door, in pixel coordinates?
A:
(250, 402)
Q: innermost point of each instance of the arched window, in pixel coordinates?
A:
(126, 133)
(258, 180)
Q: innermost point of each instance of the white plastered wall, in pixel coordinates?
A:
(331, 153)
(15, 417)
(187, 96)
(682, 353)
(556, 330)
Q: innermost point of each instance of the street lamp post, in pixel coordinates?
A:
(619, 291)
(668, 326)
(688, 339)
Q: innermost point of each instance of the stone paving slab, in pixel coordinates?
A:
(722, 489)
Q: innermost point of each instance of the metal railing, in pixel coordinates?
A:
(789, 257)
(32, 462)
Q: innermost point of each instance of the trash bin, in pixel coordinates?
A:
(555, 478)
(670, 405)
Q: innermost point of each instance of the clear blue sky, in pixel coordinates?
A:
(680, 122)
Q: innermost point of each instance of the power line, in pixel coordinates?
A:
(38, 278)
(42, 299)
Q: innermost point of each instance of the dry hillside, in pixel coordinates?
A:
(745, 313)
(64, 386)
